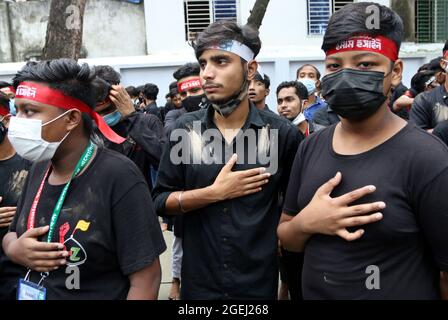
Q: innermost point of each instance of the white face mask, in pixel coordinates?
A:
(25, 136)
(299, 119)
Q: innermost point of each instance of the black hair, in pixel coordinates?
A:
(140, 89)
(301, 90)
(318, 75)
(351, 19)
(132, 91)
(65, 75)
(445, 48)
(4, 101)
(187, 70)
(150, 91)
(108, 74)
(418, 81)
(264, 79)
(173, 90)
(224, 30)
(4, 84)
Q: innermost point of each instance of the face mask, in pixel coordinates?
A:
(299, 119)
(112, 118)
(310, 85)
(25, 136)
(354, 94)
(227, 108)
(12, 107)
(194, 103)
(3, 131)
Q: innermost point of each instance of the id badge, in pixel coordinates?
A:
(27, 290)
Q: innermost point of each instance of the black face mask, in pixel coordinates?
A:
(194, 103)
(354, 94)
(3, 132)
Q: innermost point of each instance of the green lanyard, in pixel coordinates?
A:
(85, 158)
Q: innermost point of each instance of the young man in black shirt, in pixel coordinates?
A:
(230, 206)
(143, 132)
(377, 229)
(85, 211)
(431, 108)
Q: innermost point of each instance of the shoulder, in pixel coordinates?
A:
(188, 118)
(116, 166)
(425, 145)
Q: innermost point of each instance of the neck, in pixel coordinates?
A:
(260, 104)
(68, 154)
(6, 150)
(235, 120)
(312, 99)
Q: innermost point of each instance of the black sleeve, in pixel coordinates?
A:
(170, 178)
(148, 132)
(138, 236)
(433, 216)
(293, 138)
(170, 122)
(421, 112)
(290, 206)
(441, 131)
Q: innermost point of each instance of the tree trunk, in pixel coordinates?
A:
(257, 13)
(64, 29)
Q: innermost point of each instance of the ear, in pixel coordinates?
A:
(6, 120)
(397, 73)
(443, 63)
(252, 67)
(268, 91)
(74, 119)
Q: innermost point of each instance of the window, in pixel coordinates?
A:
(200, 13)
(319, 12)
(431, 23)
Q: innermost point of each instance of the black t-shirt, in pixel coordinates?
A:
(430, 108)
(409, 245)
(13, 173)
(107, 222)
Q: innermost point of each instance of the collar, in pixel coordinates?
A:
(253, 119)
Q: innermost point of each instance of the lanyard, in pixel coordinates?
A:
(85, 158)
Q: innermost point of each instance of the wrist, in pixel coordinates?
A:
(214, 194)
(300, 224)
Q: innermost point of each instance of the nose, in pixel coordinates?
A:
(207, 73)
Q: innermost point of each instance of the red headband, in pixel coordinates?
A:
(378, 44)
(12, 89)
(189, 84)
(39, 93)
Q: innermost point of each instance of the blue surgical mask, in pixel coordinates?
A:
(309, 84)
(12, 107)
(112, 118)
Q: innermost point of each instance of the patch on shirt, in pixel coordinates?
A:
(17, 182)
(440, 112)
(78, 254)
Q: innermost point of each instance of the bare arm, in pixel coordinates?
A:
(145, 283)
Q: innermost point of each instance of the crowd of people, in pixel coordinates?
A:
(347, 176)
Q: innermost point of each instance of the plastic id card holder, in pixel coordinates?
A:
(27, 290)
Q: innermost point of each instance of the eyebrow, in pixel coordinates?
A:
(358, 56)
